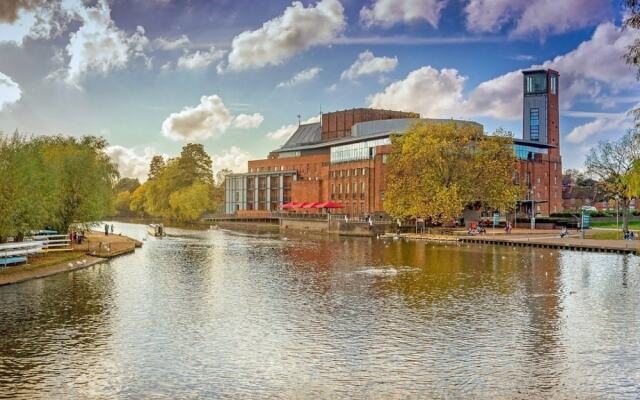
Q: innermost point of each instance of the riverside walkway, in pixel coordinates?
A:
(540, 239)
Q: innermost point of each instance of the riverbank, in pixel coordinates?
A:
(535, 238)
(47, 265)
(96, 248)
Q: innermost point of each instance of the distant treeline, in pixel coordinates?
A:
(181, 188)
(53, 182)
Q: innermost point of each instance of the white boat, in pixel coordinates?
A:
(156, 230)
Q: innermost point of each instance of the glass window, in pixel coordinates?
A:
(534, 124)
(364, 170)
(536, 83)
(356, 151)
(554, 84)
(525, 152)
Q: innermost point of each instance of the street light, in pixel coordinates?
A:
(617, 209)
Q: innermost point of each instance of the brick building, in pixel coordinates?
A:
(343, 158)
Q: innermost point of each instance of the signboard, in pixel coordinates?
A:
(586, 220)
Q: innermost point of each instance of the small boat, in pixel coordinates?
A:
(156, 230)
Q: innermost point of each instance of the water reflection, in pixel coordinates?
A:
(214, 314)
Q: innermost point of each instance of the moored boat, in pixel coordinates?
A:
(156, 230)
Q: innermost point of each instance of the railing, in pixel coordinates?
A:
(54, 242)
(13, 253)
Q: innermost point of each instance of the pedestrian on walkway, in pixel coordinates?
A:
(106, 229)
(112, 229)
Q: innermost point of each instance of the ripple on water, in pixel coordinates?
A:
(209, 314)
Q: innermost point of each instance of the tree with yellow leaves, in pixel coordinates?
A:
(437, 169)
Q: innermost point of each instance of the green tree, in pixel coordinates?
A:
(138, 200)
(126, 184)
(612, 162)
(156, 165)
(122, 202)
(435, 170)
(189, 203)
(195, 165)
(25, 190)
(83, 177)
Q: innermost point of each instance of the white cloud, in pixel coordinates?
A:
(368, 64)
(390, 12)
(302, 76)
(10, 91)
(99, 45)
(540, 17)
(426, 90)
(200, 59)
(280, 38)
(131, 164)
(285, 131)
(248, 121)
(172, 44)
(210, 118)
(615, 123)
(207, 119)
(593, 68)
(234, 159)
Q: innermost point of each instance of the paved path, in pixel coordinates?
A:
(546, 239)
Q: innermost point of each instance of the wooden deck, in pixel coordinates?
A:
(555, 242)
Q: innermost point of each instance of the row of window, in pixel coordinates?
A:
(348, 172)
(347, 187)
(356, 151)
(534, 124)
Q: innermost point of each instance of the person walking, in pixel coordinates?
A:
(106, 229)
(112, 228)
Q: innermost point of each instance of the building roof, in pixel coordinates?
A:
(308, 136)
(304, 135)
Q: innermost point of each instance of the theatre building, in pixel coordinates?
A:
(343, 159)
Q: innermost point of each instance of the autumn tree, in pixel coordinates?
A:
(612, 163)
(181, 188)
(436, 169)
(126, 184)
(156, 165)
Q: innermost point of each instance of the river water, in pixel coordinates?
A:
(211, 314)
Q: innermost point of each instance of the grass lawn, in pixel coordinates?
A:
(603, 235)
(42, 261)
(632, 224)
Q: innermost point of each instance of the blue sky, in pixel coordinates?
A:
(151, 75)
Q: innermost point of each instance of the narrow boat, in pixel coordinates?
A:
(156, 230)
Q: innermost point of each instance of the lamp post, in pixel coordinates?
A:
(617, 210)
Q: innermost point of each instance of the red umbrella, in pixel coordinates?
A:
(289, 205)
(331, 204)
(310, 205)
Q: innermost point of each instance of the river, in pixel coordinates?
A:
(211, 314)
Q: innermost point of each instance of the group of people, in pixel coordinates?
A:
(629, 235)
(477, 229)
(76, 237)
(106, 229)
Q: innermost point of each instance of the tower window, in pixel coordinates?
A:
(534, 124)
(536, 83)
(554, 84)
